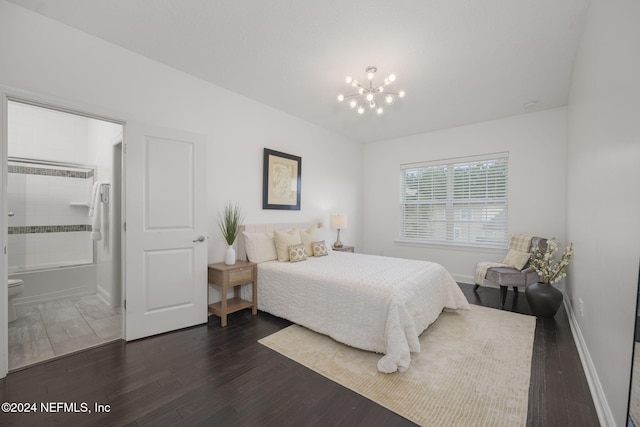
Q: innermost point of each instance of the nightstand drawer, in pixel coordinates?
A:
(241, 275)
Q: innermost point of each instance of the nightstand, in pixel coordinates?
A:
(345, 248)
(232, 276)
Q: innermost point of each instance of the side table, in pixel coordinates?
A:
(232, 276)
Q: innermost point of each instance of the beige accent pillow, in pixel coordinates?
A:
(319, 248)
(283, 240)
(296, 253)
(310, 235)
(260, 247)
(516, 259)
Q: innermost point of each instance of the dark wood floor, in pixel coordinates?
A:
(207, 375)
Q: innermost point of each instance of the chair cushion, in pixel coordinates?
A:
(506, 276)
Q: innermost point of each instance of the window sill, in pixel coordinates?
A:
(452, 246)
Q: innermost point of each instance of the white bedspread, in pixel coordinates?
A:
(373, 303)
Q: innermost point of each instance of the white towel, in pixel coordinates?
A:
(92, 199)
(96, 223)
(95, 209)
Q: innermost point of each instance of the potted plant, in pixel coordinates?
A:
(543, 298)
(229, 222)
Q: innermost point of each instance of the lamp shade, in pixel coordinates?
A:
(338, 221)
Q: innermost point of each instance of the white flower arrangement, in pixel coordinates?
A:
(543, 261)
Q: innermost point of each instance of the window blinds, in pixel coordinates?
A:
(461, 200)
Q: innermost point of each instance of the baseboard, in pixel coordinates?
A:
(104, 295)
(597, 393)
(52, 296)
(471, 280)
(462, 278)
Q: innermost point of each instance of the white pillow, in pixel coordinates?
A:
(260, 247)
(283, 240)
(313, 234)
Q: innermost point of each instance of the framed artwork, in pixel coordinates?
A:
(281, 180)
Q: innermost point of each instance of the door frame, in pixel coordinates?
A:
(8, 93)
(117, 188)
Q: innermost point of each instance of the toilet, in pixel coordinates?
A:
(16, 286)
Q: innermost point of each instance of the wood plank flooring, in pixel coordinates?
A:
(207, 375)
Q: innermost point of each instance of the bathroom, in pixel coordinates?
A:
(64, 243)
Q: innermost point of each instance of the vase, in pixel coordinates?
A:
(230, 256)
(544, 299)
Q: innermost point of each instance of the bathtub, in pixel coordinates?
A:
(48, 285)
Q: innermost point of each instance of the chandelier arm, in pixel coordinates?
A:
(361, 87)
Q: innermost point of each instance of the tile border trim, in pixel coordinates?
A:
(29, 170)
(33, 229)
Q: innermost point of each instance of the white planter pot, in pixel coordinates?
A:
(230, 256)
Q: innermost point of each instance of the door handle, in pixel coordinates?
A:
(11, 214)
(199, 239)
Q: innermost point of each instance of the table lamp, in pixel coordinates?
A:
(338, 222)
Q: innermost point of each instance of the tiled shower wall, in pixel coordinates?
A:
(50, 226)
(57, 232)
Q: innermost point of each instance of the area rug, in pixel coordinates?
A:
(474, 368)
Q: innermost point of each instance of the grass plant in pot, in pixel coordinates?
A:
(229, 221)
(544, 299)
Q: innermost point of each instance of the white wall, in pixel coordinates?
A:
(536, 143)
(603, 196)
(44, 200)
(47, 58)
(58, 137)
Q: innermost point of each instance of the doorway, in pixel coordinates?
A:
(160, 186)
(63, 231)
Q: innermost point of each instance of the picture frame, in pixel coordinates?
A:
(281, 180)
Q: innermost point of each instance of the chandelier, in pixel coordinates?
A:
(370, 95)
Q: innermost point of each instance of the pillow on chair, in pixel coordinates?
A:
(516, 259)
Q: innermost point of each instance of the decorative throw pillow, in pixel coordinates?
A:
(260, 247)
(319, 248)
(516, 259)
(297, 253)
(310, 235)
(283, 240)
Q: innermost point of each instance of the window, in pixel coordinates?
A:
(459, 201)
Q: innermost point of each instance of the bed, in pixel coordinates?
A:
(374, 303)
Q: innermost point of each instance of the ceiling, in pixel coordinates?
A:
(460, 61)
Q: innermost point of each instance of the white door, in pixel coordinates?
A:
(166, 228)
